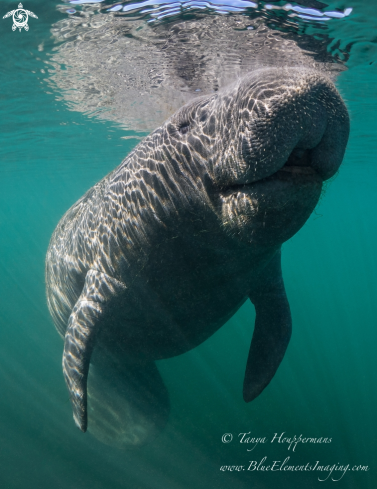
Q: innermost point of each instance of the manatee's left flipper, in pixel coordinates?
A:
(272, 331)
(84, 321)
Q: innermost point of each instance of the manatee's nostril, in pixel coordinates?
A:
(299, 157)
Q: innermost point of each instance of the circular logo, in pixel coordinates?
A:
(20, 18)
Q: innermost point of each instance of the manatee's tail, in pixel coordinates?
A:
(128, 401)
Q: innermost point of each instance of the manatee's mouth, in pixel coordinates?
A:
(300, 162)
(297, 168)
(270, 210)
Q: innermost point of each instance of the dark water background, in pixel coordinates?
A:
(326, 385)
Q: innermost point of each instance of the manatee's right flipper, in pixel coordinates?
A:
(84, 321)
(272, 331)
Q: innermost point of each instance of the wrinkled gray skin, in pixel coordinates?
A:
(165, 249)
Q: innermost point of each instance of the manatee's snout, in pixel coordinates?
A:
(291, 131)
(284, 117)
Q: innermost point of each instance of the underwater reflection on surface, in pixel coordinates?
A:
(121, 66)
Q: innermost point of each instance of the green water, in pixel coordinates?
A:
(325, 386)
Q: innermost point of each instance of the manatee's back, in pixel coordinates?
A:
(69, 255)
(79, 240)
(126, 402)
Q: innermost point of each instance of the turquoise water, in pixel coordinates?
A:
(325, 386)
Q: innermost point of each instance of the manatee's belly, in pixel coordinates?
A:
(181, 297)
(156, 324)
(187, 324)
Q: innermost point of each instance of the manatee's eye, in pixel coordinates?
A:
(184, 127)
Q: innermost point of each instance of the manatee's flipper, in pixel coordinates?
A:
(128, 403)
(272, 331)
(84, 321)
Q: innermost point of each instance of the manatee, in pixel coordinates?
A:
(159, 254)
